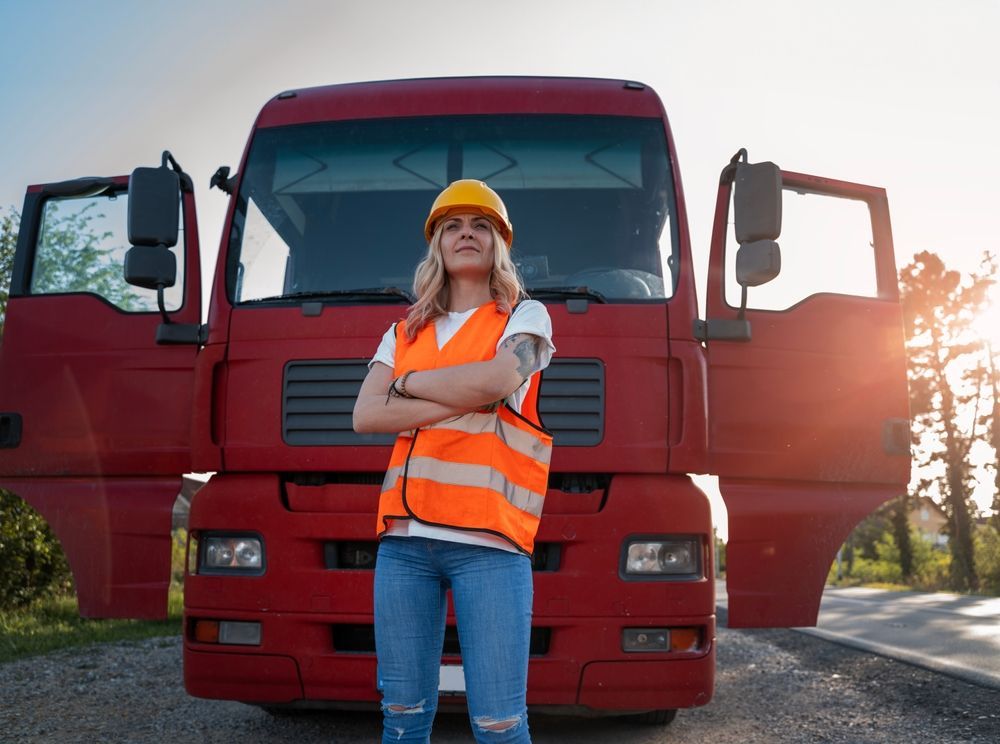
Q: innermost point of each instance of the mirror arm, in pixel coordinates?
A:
(162, 304)
(728, 174)
(187, 185)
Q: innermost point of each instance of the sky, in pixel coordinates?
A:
(899, 94)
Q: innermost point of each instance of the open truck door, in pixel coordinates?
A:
(96, 379)
(807, 394)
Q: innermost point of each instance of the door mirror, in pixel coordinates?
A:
(153, 207)
(757, 202)
(151, 267)
(757, 263)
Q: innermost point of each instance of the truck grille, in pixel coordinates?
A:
(318, 400)
(318, 404)
(571, 402)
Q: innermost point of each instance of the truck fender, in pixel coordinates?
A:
(115, 533)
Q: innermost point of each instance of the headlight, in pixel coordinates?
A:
(667, 557)
(231, 553)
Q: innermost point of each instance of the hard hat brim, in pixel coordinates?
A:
(439, 215)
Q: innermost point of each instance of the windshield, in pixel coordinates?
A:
(339, 207)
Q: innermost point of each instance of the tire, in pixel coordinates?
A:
(654, 717)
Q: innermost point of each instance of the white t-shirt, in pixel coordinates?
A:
(530, 316)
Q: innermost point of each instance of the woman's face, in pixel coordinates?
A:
(467, 245)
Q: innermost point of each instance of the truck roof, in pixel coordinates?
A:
(456, 96)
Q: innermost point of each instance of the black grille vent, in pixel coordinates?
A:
(318, 402)
(571, 402)
(359, 638)
(360, 554)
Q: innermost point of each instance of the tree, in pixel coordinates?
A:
(946, 377)
(73, 254)
(993, 374)
(8, 241)
(899, 518)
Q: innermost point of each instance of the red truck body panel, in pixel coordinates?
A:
(466, 96)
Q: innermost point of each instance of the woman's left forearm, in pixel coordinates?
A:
(478, 384)
(465, 385)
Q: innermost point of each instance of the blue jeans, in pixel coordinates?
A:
(492, 593)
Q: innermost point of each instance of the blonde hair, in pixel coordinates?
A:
(430, 282)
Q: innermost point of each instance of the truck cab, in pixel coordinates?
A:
(795, 397)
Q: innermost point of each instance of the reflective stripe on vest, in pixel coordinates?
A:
(525, 442)
(467, 474)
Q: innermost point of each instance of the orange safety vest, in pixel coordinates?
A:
(484, 472)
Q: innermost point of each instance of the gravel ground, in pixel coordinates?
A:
(772, 686)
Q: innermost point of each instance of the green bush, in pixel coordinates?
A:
(884, 568)
(987, 547)
(178, 556)
(32, 563)
(930, 565)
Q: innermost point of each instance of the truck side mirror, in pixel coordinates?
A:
(153, 207)
(757, 263)
(757, 202)
(150, 266)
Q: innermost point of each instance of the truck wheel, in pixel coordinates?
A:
(654, 717)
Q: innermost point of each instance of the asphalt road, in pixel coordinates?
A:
(951, 634)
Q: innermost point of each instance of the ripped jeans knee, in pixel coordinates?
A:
(399, 709)
(406, 721)
(500, 729)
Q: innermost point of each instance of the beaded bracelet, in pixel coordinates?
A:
(402, 383)
(398, 392)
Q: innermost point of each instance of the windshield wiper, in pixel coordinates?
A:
(567, 293)
(392, 294)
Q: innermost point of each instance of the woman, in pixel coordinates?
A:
(458, 380)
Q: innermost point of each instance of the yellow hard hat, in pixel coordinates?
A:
(470, 195)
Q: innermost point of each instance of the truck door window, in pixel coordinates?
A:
(340, 206)
(81, 249)
(826, 246)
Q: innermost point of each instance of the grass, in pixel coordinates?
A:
(849, 582)
(54, 623)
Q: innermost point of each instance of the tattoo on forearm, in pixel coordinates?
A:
(525, 348)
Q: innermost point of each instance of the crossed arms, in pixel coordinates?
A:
(444, 392)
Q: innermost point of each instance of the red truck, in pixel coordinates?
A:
(792, 389)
